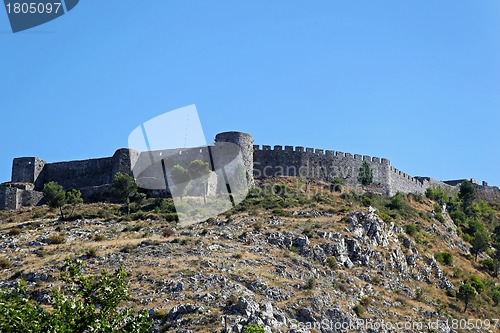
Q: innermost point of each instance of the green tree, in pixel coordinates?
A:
(365, 176)
(199, 172)
(474, 226)
(124, 188)
(479, 242)
(73, 198)
(73, 307)
(477, 284)
(466, 293)
(467, 195)
(181, 178)
(55, 196)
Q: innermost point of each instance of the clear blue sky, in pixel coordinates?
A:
(415, 81)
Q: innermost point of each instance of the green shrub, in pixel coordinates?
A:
(337, 184)
(311, 283)
(56, 239)
(359, 310)
(489, 265)
(253, 328)
(386, 218)
(419, 295)
(14, 231)
(444, 258)
(495, 295)
(159, 314)
(396, 202)
(257, 226)
(458, 216)
(92, 252)
(410, 229)
(128, 248)
(451, 293)
(308, 232)
(170, 217)
(367, 201)
(365, 301)
(477, 283)
(467, 237)
(437, 194)
(167, 232)
(72, 306)
(440, 217)
(332, 262)
(98, 238)
(282, 190)
(279, 212)
(475, 226)
(5, 263)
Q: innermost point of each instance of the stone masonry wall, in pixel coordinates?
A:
(14, 198)
(402, 182)
(77, 174)
(320, 164)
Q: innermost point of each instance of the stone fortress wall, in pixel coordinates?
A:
(95, 176)
(328, 164)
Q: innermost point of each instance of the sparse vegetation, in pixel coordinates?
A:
(56, 239)
(5, 263)
(311, 283)
(410, 229)
(332, 262)
(253, 328)
(72, 307)
(359, 310)
(167, 232)
(14, 231)
(237, 246)
(445, 258)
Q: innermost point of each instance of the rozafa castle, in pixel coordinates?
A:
(94, 177)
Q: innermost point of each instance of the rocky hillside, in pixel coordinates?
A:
(290, 258)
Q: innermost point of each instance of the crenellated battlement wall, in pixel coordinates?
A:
(319, 152)
(320, 164)
(275, 161)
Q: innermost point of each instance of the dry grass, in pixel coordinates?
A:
(184, 255)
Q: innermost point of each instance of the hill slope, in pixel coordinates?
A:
(290, 258)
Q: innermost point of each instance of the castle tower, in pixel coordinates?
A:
(245, 142)
(26, 169)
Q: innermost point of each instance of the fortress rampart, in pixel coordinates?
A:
(95, 176)
(318, 163)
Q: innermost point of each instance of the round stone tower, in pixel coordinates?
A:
(245, 142)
